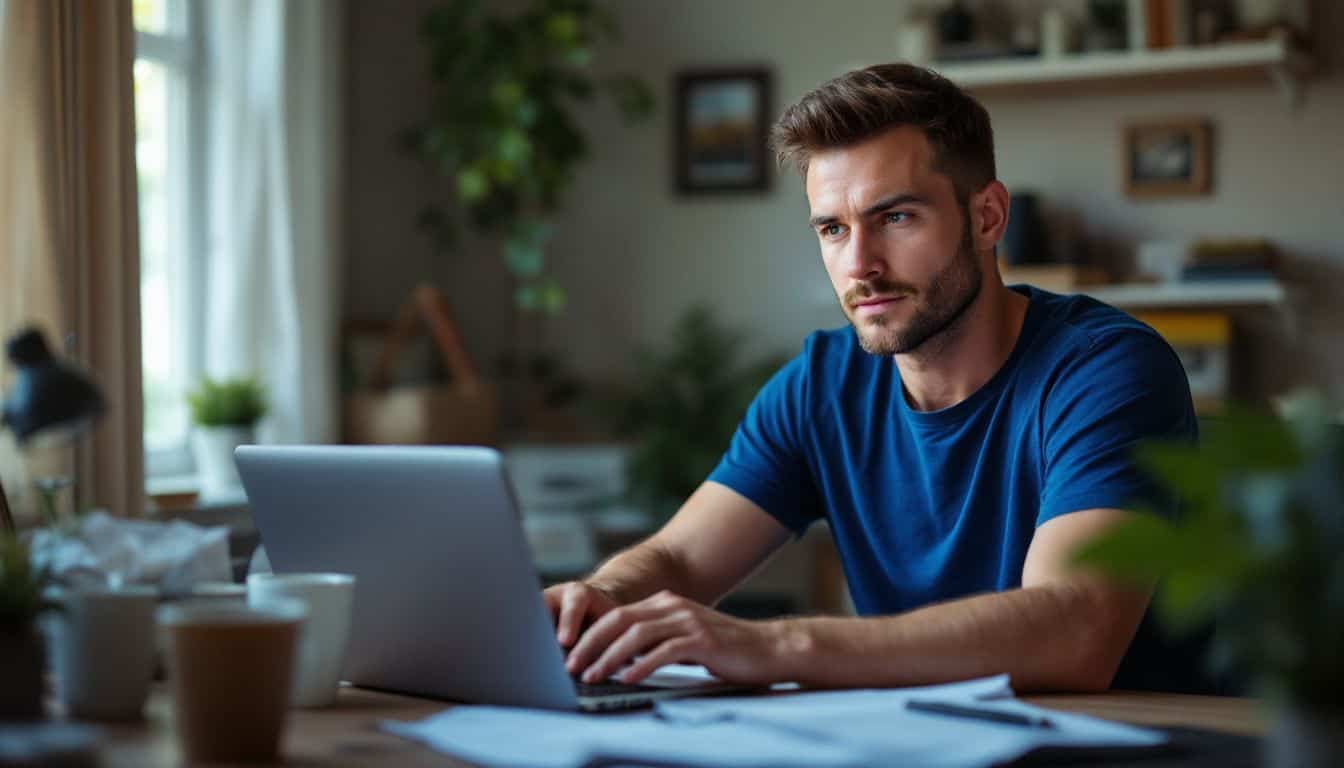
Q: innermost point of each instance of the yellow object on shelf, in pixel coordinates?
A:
(1190, 328)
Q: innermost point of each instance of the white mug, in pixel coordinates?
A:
(103, 654)
(322, 641)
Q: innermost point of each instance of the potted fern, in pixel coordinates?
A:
(22, 650)
(682, 409)
(1258, 550)
(225, 413)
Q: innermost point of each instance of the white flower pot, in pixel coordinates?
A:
(213, 450)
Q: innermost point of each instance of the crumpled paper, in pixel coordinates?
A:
(101, 548)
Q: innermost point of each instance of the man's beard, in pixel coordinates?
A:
(937, 307)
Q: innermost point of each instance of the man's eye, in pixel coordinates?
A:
(831, 230)
(896, 217)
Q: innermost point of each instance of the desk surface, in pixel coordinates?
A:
(347, 733)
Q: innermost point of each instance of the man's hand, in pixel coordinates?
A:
(668, 628)
(574, 604)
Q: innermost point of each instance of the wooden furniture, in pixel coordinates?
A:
(347, 734)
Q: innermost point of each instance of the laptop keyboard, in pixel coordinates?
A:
(612, 689)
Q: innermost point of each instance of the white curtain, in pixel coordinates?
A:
(274, 69)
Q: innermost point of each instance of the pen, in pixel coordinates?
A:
(979, 713)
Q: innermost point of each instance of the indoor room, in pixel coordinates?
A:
(483, 350)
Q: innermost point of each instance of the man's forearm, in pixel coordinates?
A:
(641, 571)
(1052, 637)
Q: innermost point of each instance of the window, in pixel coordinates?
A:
(167, 155)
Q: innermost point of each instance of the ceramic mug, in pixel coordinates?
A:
(330, 599)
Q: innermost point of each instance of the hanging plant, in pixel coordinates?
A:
(502, 128)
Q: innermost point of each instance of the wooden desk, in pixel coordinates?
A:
(347, 733)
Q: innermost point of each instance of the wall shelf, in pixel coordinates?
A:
(1286, 65)
(1222, 293)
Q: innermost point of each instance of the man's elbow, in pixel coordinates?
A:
(1104, 634)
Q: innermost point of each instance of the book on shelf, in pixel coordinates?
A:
(1057, 278)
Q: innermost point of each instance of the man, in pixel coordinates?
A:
(961, 439)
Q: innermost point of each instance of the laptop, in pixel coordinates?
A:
(447, 602)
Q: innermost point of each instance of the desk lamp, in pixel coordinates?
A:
(48, 396)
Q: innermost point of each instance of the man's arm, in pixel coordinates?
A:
(715, 540)
(1063, 630)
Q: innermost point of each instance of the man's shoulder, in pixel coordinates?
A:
(824, 351)
(1079, 329)
(1093, 351)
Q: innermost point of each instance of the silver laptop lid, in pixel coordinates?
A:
(447, 602)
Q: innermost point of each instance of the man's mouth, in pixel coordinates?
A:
(876, 304)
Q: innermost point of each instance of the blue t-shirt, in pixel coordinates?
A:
(931, 506)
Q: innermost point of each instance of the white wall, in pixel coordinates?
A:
(633, 254)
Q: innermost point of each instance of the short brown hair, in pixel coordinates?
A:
(866, 102)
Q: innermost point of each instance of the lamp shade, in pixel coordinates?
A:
(46, 394)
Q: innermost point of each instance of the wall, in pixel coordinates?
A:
(633, 254)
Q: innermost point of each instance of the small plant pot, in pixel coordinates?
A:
(1306, 738)
(212, 448)
(22, 657)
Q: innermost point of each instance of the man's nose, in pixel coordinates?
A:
(866, 259)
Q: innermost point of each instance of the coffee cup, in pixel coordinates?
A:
(231, 668)
(103, 651)
(322, 641)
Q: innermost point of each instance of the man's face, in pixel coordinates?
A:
(894, 240)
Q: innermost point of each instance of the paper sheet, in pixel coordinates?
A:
(833, 728)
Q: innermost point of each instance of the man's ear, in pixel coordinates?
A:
(989, 215)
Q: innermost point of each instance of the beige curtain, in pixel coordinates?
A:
(69, 257)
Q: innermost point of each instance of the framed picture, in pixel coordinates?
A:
(1169, 158)
(722, 121)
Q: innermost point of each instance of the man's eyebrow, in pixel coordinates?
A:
(885, 203)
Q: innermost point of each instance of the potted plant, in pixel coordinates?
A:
(22, 650)
(225, 413)
(501, 125)
(683, 408)
(503, 130)
(1258, 550)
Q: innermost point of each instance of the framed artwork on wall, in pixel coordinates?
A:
(1168, 158)
(722, 120)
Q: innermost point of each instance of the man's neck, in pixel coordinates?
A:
(950, 368)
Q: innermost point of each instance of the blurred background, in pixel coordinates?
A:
(551, 226)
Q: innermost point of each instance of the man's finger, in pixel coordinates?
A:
(672, 651)
(573, 610)
(551, 597)
(640, 637)
(604, 632)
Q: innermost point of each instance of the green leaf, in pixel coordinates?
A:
(20, 584)
(514, 147)
(525, 113)
(552, 300)
(507, 94)
(227, 402)
(472, 185)
(579, 57)
(562, 29)
(1140, 548)
(524, 258)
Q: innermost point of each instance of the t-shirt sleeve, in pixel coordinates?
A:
(1126, 389)
(765, 461)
